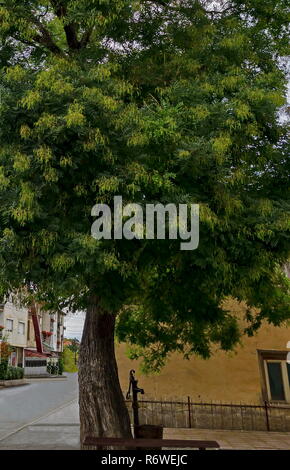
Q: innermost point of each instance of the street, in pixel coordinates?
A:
(42, 400)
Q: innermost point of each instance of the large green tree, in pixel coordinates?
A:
(157, 101)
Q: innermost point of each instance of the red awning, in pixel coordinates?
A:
(33, 353)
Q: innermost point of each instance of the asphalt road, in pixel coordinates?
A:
(20, 406)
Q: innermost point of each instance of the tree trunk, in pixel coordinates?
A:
(103, 412)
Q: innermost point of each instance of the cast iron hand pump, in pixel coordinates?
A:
(133, 386)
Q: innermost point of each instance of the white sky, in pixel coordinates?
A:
(74, 323)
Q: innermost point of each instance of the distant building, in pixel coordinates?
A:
(50, 328)
(35, 339)
(258, 371)
(14, 319)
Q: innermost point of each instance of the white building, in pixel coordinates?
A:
(50, 327)
(15, 321)
(20, 332)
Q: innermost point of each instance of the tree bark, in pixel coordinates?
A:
(103, 412)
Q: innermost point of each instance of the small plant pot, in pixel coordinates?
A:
(148, 431)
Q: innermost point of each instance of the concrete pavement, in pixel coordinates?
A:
(233, 440)
(20, 406)
(60, 431)
(44, 415)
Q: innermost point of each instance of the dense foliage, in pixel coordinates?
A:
(157, 101)
(10, 373)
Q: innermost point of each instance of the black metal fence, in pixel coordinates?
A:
(189, 414)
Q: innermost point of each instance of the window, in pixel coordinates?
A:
(21, 328)
(9, 325)
(278, 380)
(275, 375)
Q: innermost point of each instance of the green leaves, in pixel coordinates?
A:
(156, 102)
(75, 116)
(27, 208)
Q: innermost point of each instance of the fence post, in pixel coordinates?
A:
(189, 412)
(267, 415)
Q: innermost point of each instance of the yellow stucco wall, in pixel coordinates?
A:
(233, 377)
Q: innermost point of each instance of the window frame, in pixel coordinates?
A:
(285, 380)
(6, 325)
(21, 323)
(264, 357)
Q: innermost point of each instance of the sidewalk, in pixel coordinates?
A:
(243, 440)
(59, 430)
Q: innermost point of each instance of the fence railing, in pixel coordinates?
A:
(189, 414)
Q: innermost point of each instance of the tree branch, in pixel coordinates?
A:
(71, 36)
(86, 37)
(50, 45)
(70, 28)
(181, 8)
(45, 37)
(162, 4)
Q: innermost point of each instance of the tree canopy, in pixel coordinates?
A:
(157, 101)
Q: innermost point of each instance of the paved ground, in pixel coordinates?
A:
(60, 430)
(243, 440)
(44, 415)
(20, 406)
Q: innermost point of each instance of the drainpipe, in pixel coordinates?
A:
(35, 321)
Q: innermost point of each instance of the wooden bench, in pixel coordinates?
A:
(149, 443)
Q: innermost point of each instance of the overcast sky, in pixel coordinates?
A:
(74, 323)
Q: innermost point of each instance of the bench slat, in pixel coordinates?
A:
(120, 442)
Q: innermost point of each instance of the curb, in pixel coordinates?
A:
(13, 383)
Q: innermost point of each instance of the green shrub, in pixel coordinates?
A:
(14, 373)
(60, 366)
(3, 369)
(20, 372)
